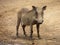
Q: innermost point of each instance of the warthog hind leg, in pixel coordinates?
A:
(24, 30)
(17, 27)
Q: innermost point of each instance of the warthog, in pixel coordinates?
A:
(30, 17)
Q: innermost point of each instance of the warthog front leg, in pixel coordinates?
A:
(31, 28)
(37, 26)
(24, 30)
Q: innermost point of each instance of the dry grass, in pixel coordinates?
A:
(49, 30)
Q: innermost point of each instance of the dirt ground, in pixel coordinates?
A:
(49, 30)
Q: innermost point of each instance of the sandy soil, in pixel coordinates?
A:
(49, 30)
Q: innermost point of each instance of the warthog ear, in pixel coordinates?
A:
(34, 7)
(44, 7)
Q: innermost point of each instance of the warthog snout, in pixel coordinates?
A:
(40, 21)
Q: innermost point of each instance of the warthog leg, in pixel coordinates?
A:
(24, 30)
(17, 27)
(37, 26)
(31, 28)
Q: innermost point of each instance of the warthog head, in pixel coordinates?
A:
(40, 13)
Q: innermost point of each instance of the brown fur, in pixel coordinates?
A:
(30, 17)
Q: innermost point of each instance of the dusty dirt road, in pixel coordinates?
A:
(49, 30)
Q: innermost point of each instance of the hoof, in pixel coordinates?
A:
(17, 36)
(39, 37)
(25, 35)
(31, 37)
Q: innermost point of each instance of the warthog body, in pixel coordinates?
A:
(30, 17)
